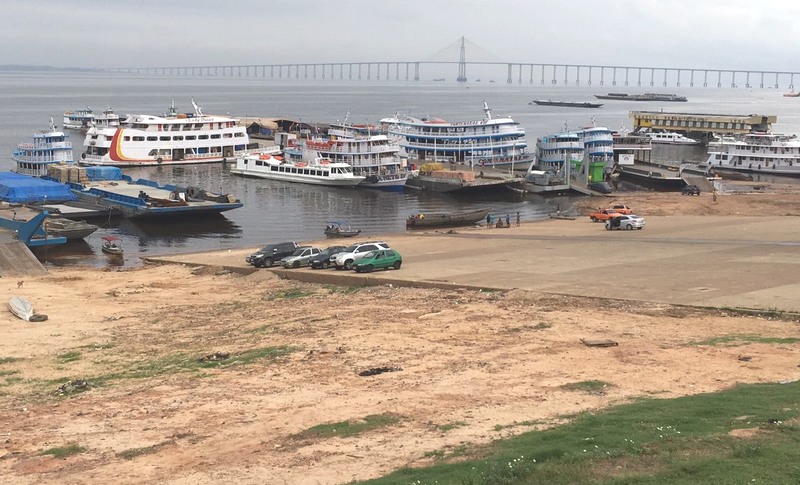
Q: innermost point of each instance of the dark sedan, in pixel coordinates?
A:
(323, 259)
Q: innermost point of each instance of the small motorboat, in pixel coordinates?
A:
(22, 308)
(340, 229)
(112, 245)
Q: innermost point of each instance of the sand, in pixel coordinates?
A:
(464, 367)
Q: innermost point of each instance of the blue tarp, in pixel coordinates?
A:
(22, 189)
(95, 174)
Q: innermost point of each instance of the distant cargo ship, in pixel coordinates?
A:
(642, 97)
(567, 104)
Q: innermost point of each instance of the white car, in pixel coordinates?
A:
(302, 256)
(625, 221)
(353, 253)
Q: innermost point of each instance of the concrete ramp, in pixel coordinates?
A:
(698, 180)
(17, 260)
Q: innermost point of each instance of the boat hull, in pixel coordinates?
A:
(21, 307)
(447, 220)
(349, 182)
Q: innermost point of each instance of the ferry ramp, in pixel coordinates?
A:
(698, 180)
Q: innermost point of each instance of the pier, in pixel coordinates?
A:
(702, 124)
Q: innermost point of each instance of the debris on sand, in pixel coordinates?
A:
(215, 357)
(378, 370)
(599, 343)
(74, 387)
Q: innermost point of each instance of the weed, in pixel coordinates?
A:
(744, 339)
(591, 387)
(450, 426)
(348, 428)
(290, 294)
(64, 451)
(9, 360)
(70, 356)
(344, 290)
(500, 427)
(132, 453)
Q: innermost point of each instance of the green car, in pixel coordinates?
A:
(380, 259)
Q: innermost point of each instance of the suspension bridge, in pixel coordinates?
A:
(534, 73)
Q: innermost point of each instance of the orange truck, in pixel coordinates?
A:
(603, 215)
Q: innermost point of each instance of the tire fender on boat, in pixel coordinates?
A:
(159, 160)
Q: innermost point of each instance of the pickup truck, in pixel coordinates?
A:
(603, 215)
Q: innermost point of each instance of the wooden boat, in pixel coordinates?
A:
(451, 219)
(112, 245)
(72, 230)
(341, 229)
(566, 104)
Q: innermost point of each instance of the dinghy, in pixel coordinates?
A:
(22, 308)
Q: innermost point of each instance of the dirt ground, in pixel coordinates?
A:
(464, 368)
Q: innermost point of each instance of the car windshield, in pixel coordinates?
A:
(350, 249)
(370, 254)
(298, 252)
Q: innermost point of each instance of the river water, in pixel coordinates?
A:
(275, 211)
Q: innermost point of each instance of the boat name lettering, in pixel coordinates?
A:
(464, 123)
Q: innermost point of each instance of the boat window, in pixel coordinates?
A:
(138, 138)
(202, 137)
(190, 137)
(164, 138)
(177, 138)
(227, 135)
(215, 136)
(152, 138)
(198, 126)
(127, 138)
(238, 133)
(152, 153)
(175, 128)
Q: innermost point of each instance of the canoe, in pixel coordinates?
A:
(451, 219)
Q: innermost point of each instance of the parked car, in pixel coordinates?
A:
(625, 221)
(690, 190)
(621, 208)
(270, 253)
(380, 259)
(300, 257)
(325, 258)
(603, 215)
(354, 252)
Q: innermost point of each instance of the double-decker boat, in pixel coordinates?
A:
(490, 142)
(572, 145)
(80, 119)
(321, 171)
(48, 148)
(175, 138)
(771, 153)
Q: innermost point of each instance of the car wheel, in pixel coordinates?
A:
(629, 227)
(296, 264)
(639, 228)
(325, 265)
(369, 268)
(396, 265)
(268, 263)
(348, 264)
(608, 227)
(594, 219)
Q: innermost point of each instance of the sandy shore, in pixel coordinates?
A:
(465, 367)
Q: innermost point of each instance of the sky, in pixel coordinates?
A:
(731, 34)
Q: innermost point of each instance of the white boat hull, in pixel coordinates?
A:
(21, 307)
(349, 182)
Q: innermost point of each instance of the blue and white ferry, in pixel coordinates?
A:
(48, 148)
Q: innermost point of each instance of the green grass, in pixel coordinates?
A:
(132, 453)
(64, 451)
(344, 429)
(4, 373)
(591, 387)
(444, 428)
(290, 294)
(344, 290)
(682, 441)
(737, 340)
(70, 356)
(501, 427)
(9, 360)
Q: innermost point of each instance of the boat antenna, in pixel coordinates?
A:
(52, 124)
(346, 116)
(593, 121)
(487, 111)
(197, 110)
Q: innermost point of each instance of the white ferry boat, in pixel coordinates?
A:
(490, 142)
(49, 147)
(80, 119)
(672, 139)
(175, 138)
(108, 117)
(757, 152)
(368, 150)
(321, 171)
(573, 145)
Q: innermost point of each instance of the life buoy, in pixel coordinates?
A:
(83, 155)
(265, 156)
(324, 162)
(278, 157)
(300, 164)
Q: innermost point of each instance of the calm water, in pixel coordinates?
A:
(275, 211)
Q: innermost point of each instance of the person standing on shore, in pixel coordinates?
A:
(517, 218)
(508, 220)
(488, 221)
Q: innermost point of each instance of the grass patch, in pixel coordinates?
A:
(737, 340)
(9, 360)
(4, 373)
(681, 441)
(290, 294)
(70, 356)
(501, 427)
(444, 428)
(590, 387)
(343, 429)
(64, 451)
(136, 452)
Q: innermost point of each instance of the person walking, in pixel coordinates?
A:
(508, 220)
(517, 218)
(488, 221)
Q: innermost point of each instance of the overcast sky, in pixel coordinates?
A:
(738, 34)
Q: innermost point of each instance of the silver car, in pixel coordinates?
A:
(625, 221)
(301, 257)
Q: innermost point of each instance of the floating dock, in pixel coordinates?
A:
(702, 124)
